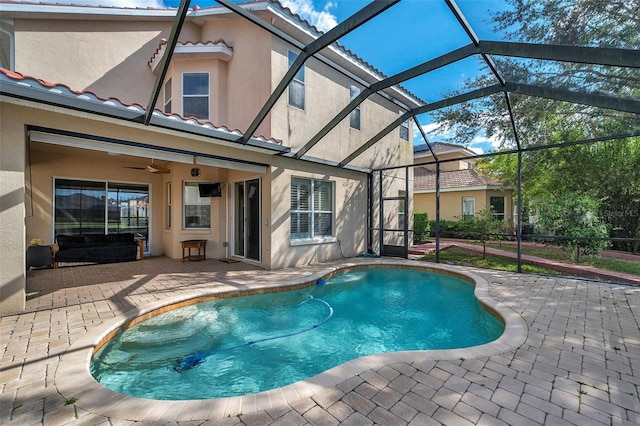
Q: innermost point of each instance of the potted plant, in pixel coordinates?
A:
(38, 254)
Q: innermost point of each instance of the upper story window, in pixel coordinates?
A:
(167, 97)
(404, 130)
(296, 87)
(195, 95)
(311, 208)
(354, 116)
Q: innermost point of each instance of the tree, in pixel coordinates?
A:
(606, 171)
(593, 23)
(573, 215)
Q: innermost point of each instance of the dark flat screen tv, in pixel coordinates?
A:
(210, 189)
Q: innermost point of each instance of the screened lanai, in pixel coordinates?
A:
(547, 94)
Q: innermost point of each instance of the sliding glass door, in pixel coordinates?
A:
(94, 207)
(246, 232)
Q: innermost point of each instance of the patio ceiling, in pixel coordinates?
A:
(477, 49)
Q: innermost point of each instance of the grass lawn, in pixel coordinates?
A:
(458, 256)
(555, 253)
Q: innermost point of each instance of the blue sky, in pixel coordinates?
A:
(411, 32)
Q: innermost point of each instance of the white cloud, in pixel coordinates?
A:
(479, 144)
(482, 142)
(323, 19)
(429, 130)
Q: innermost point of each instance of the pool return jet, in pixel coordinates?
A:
(191, 361)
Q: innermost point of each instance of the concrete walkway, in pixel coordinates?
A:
(565, 268)
(577, 363)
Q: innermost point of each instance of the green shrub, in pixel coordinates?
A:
(421, 228)
(573, 215)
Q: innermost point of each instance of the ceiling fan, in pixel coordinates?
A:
(152, 168)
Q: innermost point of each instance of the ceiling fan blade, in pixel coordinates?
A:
(155, 168)
(134, 168)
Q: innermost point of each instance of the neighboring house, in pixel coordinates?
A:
(463, 190)
(74, 89)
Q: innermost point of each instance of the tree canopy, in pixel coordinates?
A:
(607, 170)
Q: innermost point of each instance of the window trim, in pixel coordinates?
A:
(312, 238)
(473, 205)
(208, 95)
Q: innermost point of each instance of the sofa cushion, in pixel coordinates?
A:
(99, 254)
(94, 239)
(69, 241)
(121, 238)
(96, 248)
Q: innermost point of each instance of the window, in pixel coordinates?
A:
(404, 130)
(497, 206)
(311, 208)
(168, 207)
(354, 116)
(195, 95)
(167, 97)
(296, 87)
(197, 209)
(468, 207)
(7, 45)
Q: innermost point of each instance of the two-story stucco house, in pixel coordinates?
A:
(463, 189)
(78, 157)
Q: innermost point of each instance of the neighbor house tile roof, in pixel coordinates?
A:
(425, 180)
(18, 85)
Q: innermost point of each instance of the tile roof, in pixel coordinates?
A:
(192, 50)
(18, 85)
(425, 179)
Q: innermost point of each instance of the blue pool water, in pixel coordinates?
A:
(251, 344)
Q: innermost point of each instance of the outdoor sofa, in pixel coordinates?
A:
(96, 248)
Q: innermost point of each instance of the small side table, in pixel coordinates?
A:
(187, 245)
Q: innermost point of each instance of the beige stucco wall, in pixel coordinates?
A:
(451, 203)
(217, 71)
(350, 195)
(91, 54)
(247, 81)
(12, 212)
(449, 165)
(326, 94)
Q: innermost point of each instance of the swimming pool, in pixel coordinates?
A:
(254, 343)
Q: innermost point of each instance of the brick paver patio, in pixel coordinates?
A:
(577, 363)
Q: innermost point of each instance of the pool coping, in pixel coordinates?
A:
(74, 381)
